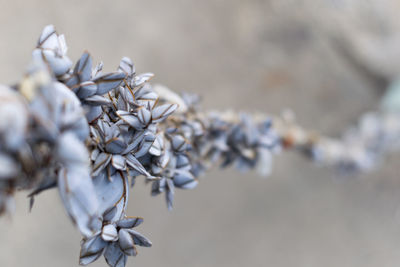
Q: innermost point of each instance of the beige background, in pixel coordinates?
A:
(327, 60)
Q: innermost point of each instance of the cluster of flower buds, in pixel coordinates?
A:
(91, 134)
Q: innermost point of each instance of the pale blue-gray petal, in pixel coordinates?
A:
(72, 82)
(126, 243)
(94, 113)
(48, 38)
(95, 152)
(114, 256)
(157, 146)
(86, 89)
(156, 170)
(144, 116)
(183, 162)
(129, 222)
(97, 70)
(122, 103)
(139, 239)
(184, 180)
(142, 78)
(100, 163)
(130, 119)
(91, 249)
(109, 81)
(146, 93)
(137, 139)
(110, 214)
(97, 100)
(162, 112)
(84, 67)
(118, 162)
(126, 65)
(115, 146)
(136, 165)
(85, 260)
(127, 95)
(145, 145)
(178, 143)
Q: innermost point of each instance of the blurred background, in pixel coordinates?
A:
(328, 60)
